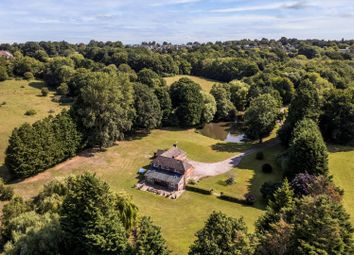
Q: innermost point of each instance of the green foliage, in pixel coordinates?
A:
(22, 65)
(44, 91)
(149, 240)
(307, 152)
(187, 101)
(285, 87)
(150, 78)
(148, 113)
(261, 116)
(63, 89)
(163, 96)
(306, 104)
(28, 76)
(222, 235)
(238, 94)
(35, 148)
(104, 108)
(3, 73)
(59, 70)
(209, 109)
(30, 112)
(6, 192)
(337, 119)
(225, 110)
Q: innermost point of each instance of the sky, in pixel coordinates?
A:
(176, 21)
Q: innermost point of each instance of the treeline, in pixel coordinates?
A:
(80, 215)
(34, 148)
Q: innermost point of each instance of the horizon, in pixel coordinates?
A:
(175, 21)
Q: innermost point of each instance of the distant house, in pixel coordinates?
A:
(6, 54)
(169, 169)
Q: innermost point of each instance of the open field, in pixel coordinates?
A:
(206, 84)
(341, 165)
(181, 218)
(21, 96)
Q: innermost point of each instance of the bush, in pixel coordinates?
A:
(3, 74)
(28, 76)
(267, 168)
(230, 198)
(199, 190)
(45, 91)
(260, 155)
(250, 199)
(30, 112)
(6, 193)
(268, 190)
(63, 89)
(230, 180)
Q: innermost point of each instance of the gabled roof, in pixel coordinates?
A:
(6, 54)
(171, 164)
(173, 152)
(163, 176)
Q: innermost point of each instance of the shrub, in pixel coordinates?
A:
(260, 155)
(63, 89)
(268, 190)
(28, 76)
(30, 112)
(6, 193)
(199, 190)
(267, 168)
(192, 182)
(230, 180)
(44, 91)
(230, 198)
(3, 74)
(250, 199)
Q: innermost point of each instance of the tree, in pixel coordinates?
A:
(238, 94)
(306, 104)
(337, 119)
(3, 73)
(89, 218)
(104, 108)
(222, 235)
(307, 151)
(279, 207)
(164, 98)
(148, 112)
(149, 78)
(321, 226)
(261, 116)
(187, 101)
(225, 110)
(149, 240)
(209, 109)
(285, 87)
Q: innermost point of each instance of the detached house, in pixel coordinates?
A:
(169, 169)
(6, 54)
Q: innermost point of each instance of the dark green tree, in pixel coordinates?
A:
(104, 108)
(307, 151)
(148, 113)
(150, 78)
(149, 240)
(261, 116)
(223, 235)
(225, 110)
(164, 98)
(89, 218)
(187, 101)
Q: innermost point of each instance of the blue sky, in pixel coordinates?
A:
(178, 21)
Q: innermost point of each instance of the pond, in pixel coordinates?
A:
(223, 131)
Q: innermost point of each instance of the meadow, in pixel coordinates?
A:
(206, 84)
(179, 219)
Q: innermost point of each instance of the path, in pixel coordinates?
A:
(202, 169)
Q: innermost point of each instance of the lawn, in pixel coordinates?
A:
(341, 165)
(206, 84)
(21, 96)
(179, 219)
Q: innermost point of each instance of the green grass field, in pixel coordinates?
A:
(21, 96)
(206, 84)
(179, 219)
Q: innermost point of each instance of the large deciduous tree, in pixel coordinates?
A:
(261, 116)
(225, 110)
(104, 108)
(187, 101)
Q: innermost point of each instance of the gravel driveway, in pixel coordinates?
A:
(202, 169)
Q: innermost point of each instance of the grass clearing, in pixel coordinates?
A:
(206, 84)
(21, 96)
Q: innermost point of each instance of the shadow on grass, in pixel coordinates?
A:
(37, 84)
(333, 148)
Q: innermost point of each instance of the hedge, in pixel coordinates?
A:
(198, 190)
(231, 198)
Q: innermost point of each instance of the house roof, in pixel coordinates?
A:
(164, 176)
(173, 152)
(171, 164)
(5, 53)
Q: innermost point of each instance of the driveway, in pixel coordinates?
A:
(202, 169)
